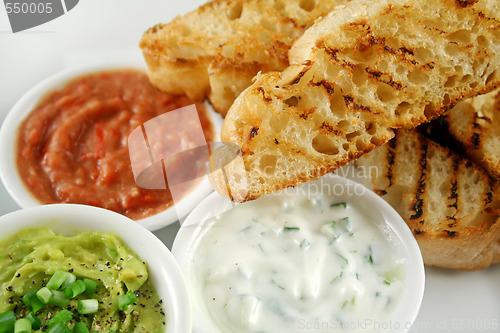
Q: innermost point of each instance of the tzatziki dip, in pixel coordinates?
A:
(300, 262)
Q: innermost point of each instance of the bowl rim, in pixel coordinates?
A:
(163, 269)
(23, 107)
(188, 236)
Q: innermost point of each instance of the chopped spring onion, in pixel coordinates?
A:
(59, 299)
(88, 306)
(70, 278)
(22, 325)
(7, 321)
(57, 279)
(44, 295)
(125, 300)
(61, 317)
(80, 328)
(32, 302)
(90, 286)
(75, 289)
(36, 322)
(58, 328)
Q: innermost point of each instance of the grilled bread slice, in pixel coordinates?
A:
(216, 50)
(449, 203)
(475, 125)
(365, 69)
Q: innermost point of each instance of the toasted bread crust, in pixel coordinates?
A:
(223, 44)
(449, 203)
(475, 125)
(364, 70)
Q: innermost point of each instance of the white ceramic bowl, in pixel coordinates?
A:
(9, 131)
(163, 270)
(344, 190)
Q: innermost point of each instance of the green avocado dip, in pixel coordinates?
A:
(29, 258)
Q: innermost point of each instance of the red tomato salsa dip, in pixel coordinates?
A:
(72, 148)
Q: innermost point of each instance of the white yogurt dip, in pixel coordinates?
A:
(298, 263)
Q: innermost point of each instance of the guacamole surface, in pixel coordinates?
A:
(29, 258)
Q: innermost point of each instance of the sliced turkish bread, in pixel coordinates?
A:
(365, 69)
(449, 203)
(216, 50)
(475, 125)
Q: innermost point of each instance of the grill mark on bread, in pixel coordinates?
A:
(327, 85)
(299, 76)
(391, 158)
(450, 233)
(333, 55)
(418, 202)
(328, 128)
(465, 3)
(475, 136)
(349, 102)
(304, 115)
(383, 77)
(267, 99)
(454, 193)
(253, 132)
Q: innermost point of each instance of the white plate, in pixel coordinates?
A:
(96, 29)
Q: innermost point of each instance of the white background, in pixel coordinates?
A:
(96, 29)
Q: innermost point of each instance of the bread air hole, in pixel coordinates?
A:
(371, 128)
(267, 164)
(452, 49)
(292, 101)
(491, 77)
(461, 37)
(429, 111)
(235, 11)
(364, 53)
(360, 145)
(452, 81)
(422, 55)
(359, 75)
(418, 77)
(385, 92)
(376, 141)
(467, 78)
(393, 43)
(337, 104)
(402, 109)
(482, 41)
(344, 125)
(322, 144)
(307, 5)
(350, 137)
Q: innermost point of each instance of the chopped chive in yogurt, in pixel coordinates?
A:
(291, 229)
(277, 285)
(338, 277)
(339, 204)
(343, 258)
